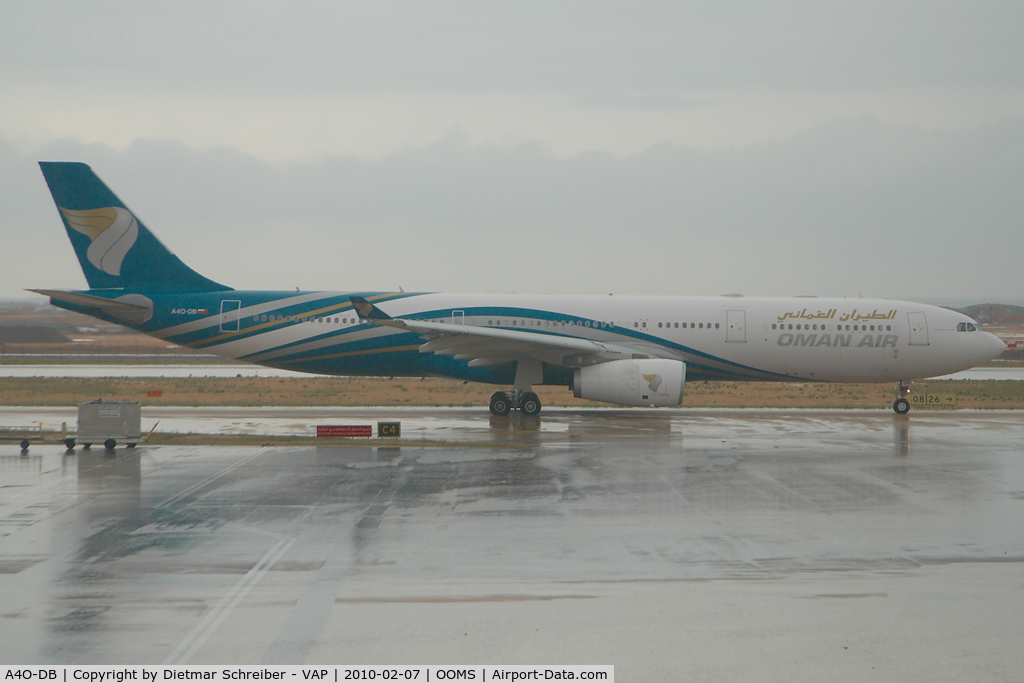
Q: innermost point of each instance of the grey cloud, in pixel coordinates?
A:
(588, 49)
(851, 206)
(639, 100)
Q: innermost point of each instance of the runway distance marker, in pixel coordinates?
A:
(943, 400)
(389, 430)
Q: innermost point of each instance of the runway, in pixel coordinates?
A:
(676, 545)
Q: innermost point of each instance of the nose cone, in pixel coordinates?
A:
(995, 345)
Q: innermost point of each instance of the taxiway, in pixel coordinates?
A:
(676, 545)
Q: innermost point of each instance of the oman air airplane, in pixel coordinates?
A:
(625, 350)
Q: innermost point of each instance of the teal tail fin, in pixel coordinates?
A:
(115, 249)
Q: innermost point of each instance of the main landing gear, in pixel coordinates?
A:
(522, 398)
(526, 401)
(902, 405)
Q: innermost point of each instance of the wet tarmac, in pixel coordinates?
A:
(676, 545)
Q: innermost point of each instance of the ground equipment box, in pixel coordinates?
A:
(109, 422)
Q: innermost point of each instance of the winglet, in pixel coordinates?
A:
(366, 310)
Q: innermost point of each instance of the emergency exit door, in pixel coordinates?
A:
(918, 329)
(735, 326)
(229, 311)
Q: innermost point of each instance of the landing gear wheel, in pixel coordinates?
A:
(70, 443)
(86, 446)
(130, 445)
(529, 403)
(109, 444)
(501, 403)
(901, 406)
(24, 445)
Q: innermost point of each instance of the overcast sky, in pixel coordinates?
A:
(569, 147)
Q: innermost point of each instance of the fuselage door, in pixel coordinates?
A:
(229, 310)
(458, 317)
(735, 326)
(918, 329)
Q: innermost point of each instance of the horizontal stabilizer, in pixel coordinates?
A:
(132, 308)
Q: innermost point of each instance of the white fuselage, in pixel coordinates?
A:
(808, 338)
(730, 337)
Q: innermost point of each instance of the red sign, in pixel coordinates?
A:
(344, 430)
(155, 393)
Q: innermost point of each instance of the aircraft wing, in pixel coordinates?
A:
(483, 346)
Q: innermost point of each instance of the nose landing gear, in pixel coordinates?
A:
(901, 405)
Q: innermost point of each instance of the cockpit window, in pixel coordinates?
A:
(966, 327)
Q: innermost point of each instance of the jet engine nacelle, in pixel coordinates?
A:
(653, 382)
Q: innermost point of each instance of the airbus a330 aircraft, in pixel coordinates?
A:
(626, 350)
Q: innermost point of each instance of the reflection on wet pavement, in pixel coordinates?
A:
(599, 521)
